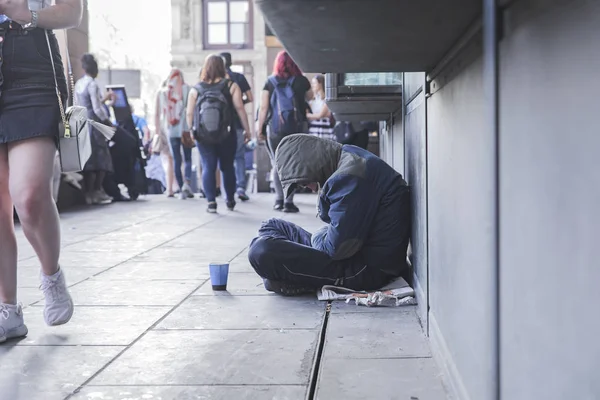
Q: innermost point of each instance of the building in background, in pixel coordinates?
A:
(203, 27)
(78, 44)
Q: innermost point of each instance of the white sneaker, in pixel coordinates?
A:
(11, 322)
(100, 197)
(59, 305)
(187, 191)
(182, 196)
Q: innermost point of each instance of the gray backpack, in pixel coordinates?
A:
(213, 112)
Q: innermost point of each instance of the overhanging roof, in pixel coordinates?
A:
(369, 35)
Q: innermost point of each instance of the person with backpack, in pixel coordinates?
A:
(210, 113)
(240, 154)
(284, 105)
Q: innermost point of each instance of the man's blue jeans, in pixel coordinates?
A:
(187, 156)
(240, 161)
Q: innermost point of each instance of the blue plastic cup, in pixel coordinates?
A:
(218, 275)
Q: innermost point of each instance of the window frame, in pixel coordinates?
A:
(229, 46)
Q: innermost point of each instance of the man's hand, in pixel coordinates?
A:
(17, 10)
(247, 137)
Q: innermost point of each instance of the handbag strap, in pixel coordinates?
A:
(71, 88)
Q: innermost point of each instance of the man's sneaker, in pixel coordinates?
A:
(182, 196)
(11, 322)
(218, 192)
(290, 208)
(187, 191)
(287, 289)
(212, 207)
(231, 205)
(242, 195)
(59, 305)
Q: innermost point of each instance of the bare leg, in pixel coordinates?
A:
(8, 244)
(30, 185)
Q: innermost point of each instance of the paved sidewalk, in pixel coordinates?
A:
(147, 325)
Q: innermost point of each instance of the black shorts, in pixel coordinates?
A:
(28, 101)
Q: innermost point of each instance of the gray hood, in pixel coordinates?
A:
(303, 159)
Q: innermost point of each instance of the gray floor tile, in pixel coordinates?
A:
(157, 270)
(84, 259)
(390, 334)
(338, 307)
(201, 254)
(214, 358)
(398, 379)
(99, 326)
(29, 277)
(245, 312)
(29, 295)
(237, 285)
(48, 372)
(193, 393)
(150, 293)
(132, 247)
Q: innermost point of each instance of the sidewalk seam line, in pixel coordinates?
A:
(115, 358)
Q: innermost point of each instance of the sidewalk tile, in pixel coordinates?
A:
(245, 312)
(215, 358)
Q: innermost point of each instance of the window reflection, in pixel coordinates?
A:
(372, 79)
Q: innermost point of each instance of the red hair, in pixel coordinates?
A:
(284, 66)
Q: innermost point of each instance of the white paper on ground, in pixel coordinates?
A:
(396, 293)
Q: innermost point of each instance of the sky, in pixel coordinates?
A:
(133, 34)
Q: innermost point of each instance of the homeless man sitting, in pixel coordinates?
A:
(366, 206)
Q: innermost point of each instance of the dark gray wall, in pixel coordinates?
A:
(550, 200)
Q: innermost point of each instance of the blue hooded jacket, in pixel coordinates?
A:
(364, 201)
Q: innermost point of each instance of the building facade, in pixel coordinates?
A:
(203, 27)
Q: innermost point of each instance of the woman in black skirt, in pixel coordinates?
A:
(29, 118)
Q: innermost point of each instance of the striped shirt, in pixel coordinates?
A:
(320, 127)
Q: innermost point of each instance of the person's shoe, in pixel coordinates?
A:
(11, 322)
(101, 198)
(201, 194)
(290, 208)
(212, 207)
(182, 196)
(286, 289)
(171, 195)
(278, 205)
(242, 195)
(187, 191)
(218, 192)
(59, 305)
(231, 205)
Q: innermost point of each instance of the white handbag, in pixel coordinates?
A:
(75, 144)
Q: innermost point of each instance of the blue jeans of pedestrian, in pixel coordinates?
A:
(176, 147)
(221, 154)
(240, 161)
